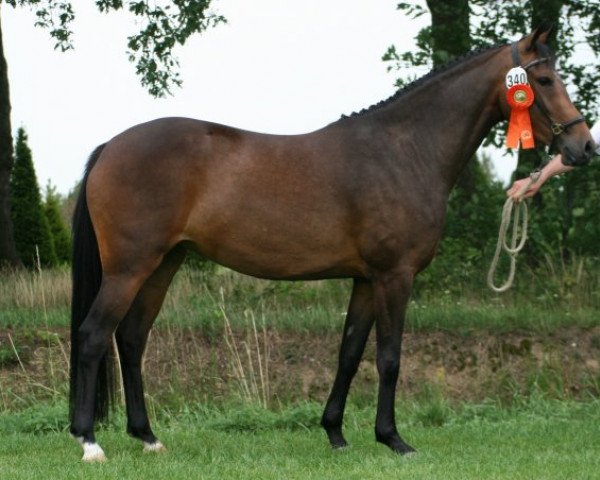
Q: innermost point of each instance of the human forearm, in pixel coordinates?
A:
(554, 167)
(523, 188)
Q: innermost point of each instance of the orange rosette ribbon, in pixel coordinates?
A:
(520, 98)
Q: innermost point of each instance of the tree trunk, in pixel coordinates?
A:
(8, 251)
(449, 29)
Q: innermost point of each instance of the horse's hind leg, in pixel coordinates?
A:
(94, 337)
(359, 321)
(132, 335)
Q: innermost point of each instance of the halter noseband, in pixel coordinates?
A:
(557, 127)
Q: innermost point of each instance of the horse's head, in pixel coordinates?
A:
(555, 120)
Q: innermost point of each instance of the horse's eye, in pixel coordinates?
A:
(544, 81)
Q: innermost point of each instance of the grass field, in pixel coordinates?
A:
(528, 361)
(197, 300)
(537, 440)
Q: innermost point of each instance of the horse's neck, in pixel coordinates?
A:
(448, 116)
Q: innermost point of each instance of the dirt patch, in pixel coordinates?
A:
(186, 365)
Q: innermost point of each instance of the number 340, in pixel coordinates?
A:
(516, 79)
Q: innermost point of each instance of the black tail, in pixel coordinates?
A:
(87, 277)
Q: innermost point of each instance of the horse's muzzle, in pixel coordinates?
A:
(577, 157)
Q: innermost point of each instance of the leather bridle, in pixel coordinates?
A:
(556, 127)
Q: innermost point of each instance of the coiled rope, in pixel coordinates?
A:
(520, 219)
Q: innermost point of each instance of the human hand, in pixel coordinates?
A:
(516, 190)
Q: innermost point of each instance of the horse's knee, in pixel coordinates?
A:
(349, 363)
(388, 367)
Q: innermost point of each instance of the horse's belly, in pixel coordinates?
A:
(276, 246)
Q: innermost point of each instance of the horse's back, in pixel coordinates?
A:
(268, 205)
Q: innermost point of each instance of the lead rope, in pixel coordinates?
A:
(516, 245)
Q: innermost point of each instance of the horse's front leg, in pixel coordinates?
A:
(359, 321)
(391, 294)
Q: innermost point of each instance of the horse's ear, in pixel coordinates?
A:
(540, 34)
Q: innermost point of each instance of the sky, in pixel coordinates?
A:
(275, 67)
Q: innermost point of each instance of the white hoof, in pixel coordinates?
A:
(92, 453)
(155, 447)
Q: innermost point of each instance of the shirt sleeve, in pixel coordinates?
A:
(595, 131)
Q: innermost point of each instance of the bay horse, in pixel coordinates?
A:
(363, 198)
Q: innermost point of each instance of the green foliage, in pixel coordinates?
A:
(421, 57)
(151, 49)
(450, 29)
(32, 232)
(60, 234)
(54, 15)
(38, 419)
(565, 218)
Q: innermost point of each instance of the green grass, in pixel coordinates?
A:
(520, 434)
(197, 300)
(539, 440)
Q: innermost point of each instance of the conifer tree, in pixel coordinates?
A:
(30, 223)
(60, 234)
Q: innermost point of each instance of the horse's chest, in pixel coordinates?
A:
(400, 236)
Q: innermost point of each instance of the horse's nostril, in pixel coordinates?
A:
(589, 148)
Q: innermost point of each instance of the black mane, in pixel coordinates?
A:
(421, 80)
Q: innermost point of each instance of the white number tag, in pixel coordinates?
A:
(516, 76)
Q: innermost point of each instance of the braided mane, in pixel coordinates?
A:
(425, 78)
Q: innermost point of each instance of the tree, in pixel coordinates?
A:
(32, 232)
(8, 250)
(60, 234)
(151, 50)
(449, 30)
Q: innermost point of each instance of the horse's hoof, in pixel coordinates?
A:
(93, 453)
(395, 443)
(155, 447)
(406, 451)
(402, 448)
(339, 445)
(335, 437)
